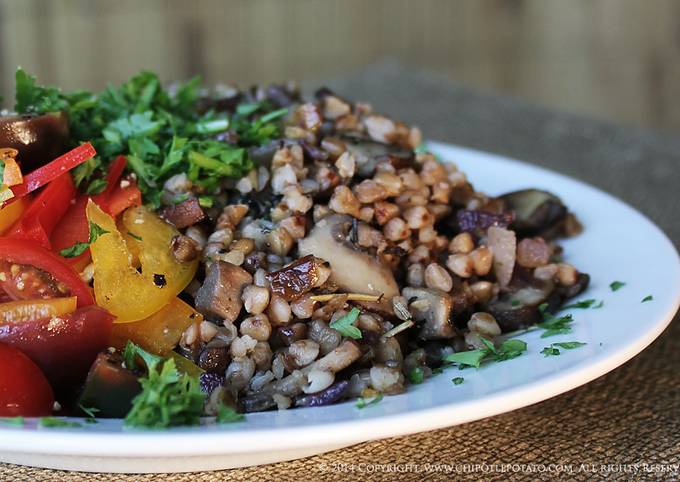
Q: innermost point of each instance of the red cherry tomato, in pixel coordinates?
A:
(63, 346)
(24, 390)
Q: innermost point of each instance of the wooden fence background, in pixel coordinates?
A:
(616, 59)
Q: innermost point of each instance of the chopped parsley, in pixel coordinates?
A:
(647, 298)
(616, 285)
(226, 414)
(508, 350)
(417, 375)
(161, 133)
(554, 348)
(554, 325)
(458, 380)
(345, 324)
(57, 422)
(134, 236)
(363, 403)
(583, 305)
(168, 398)
(79, 248)
(12, 421)
(97, 186)
(89, 411)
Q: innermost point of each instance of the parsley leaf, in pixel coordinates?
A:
(79, 248)
(97, 186)
(132, 351)
(226, 414)
(569, 345)
(89, 411)
(554, 325)
(363, 403)
(616, 285)
(583, 305)
(57, 422)
(647, 298)
(345, 324)
(12, 421)
(472, 358)
(417, 375)
(458, 380)
(167, 399)
(508, 350)
(553, 349)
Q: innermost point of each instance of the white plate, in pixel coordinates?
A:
(618, 244)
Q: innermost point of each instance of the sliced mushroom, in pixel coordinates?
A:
(433, 307)
(38, 138)
(220, 295)
(184, 214)
(368, 154)
(351, 269)
(298, 278)
(536, 212)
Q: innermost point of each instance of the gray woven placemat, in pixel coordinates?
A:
(609, 428)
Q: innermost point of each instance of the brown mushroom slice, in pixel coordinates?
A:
(518, 309)
(536, 211)
(184, 214)
(297, 278)
(38, 138)
(220, 295)
(352, 270)
(433, 307)
(368, 154)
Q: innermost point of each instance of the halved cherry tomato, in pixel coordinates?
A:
(48, 207)
(118, 285)
(24, 390)
(12, 212)
(65, 346)
(43, 175)
(159, 333)
(27, 310)
(24, 253)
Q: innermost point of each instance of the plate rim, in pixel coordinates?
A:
(145, 444)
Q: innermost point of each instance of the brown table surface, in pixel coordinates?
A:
(630, 416)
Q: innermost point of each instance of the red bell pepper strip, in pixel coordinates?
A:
(23, 252)
(49, 172)
(46, 210)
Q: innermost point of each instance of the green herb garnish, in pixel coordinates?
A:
(57, 422)
(12, 421)
(647, 298)
(79, 248)
(363, 403)
(583, 305)
(168, 398)
(226, 414)
(553, 349)
(159, 132)
(134, 236)
(345, 324)
(458, 380)
(508, 350)
(417, 375)
(89, 411)
(616, 285)
(554, 325)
